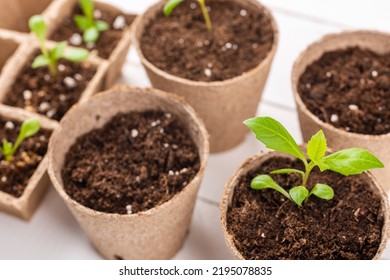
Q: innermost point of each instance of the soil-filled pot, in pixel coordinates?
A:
(112, 45)
(263, 224)
(121, 183)
(341, 85)
(221, 73)
(36, 91)
(23, 180)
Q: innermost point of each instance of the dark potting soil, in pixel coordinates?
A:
(37, 91)
(137, 161)
(14, 176)
(108, 39)
(266, 225)
(349, 89)
(181, 45)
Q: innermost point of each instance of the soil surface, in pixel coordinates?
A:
(37, 91)
(107, 40)
(349, 89)
(181, 45)
(14, 176)
(134, 163)
(266, 225)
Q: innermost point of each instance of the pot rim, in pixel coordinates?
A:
(295, 79)
(137, 27)
(102, 95)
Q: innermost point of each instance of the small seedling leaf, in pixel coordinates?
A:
(91, 34)
(87, 8)
(7, 148)
(170, 6)
(322, 191)
(274, 136)
(76, 54)
(40, 61)
(350, 161)
(81, 22)
(316, 147)
(262, 182)
(58, 50)
(299, 194)
(102, 25)
(38, 26)
(287, 171)
(29, 128)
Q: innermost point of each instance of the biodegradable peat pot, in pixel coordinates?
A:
(23, 202)
(267, 237)
(9, 47)
(157, 233)
(112, 45)
(230, 101)
(37, 92)
(340, 138)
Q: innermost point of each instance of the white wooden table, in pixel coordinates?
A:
(53, 233)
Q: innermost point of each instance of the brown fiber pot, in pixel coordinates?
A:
(218, 103)
(24, 206)
(157, 233)
(62, 9)
(339, 138)
(257, 160)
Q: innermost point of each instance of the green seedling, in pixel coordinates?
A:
(172, 4)
(91, 28)
(29, 128)
(346, 162)
(50, 57)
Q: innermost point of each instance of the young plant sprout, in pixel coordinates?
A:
(172, 4)
(346, 162)
(91, 28)
(50, 57)
(29, 128)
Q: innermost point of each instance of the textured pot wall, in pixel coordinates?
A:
(338, 138)
(223, 106)
(154, 234)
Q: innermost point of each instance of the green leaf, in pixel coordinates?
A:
(262, 182)
(91, 35)
(299, 194)
(170, 6)
(316, 147)
(322, 191)
(287, 171)
(40, 61)
(38, 26)
(274, 136)
(102, 25)
(58, 50)
(87, 8)
(350, 161)
(76, 54)
(29, 128)
(81, 22)
(7, 148)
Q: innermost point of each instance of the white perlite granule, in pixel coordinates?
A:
(134, 133)
(119, 22)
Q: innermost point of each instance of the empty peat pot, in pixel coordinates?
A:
(223, 104)
(344, 137)
(263, 224)
(156, 233)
